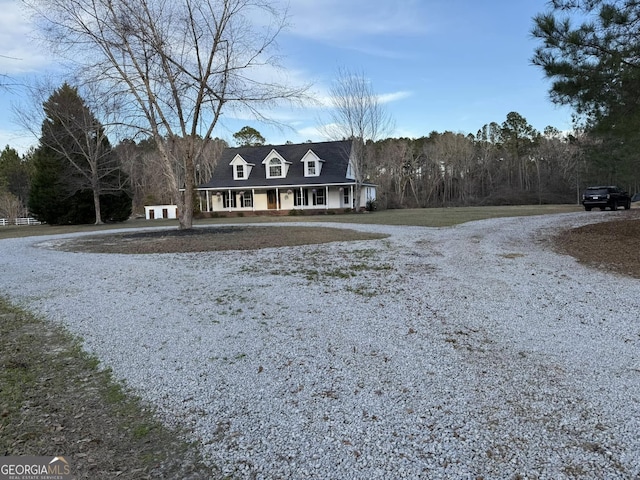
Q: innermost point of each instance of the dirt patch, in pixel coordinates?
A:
(54, 400)
(611, 245)
(213, 239)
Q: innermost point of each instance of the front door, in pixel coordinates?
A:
(272, 200)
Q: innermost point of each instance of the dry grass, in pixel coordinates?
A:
(55, 401)
(213, 239)
(421, 217)
(611, 245)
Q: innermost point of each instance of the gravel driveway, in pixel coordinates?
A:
(464, 352)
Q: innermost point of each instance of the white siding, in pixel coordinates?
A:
(334, 198)
(158, 212)
(286, 199)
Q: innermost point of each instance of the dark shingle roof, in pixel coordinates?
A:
(334, 169)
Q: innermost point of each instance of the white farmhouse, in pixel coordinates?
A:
(307, 176)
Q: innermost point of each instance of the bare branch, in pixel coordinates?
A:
(356, 114)
(179, 64)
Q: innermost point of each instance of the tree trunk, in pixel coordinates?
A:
(357, 194)
(96, 205)
(185, 216)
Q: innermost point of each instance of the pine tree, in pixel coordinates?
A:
(590, 49)
(49, 197)
(76, 168)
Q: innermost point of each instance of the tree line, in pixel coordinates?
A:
(505, 164)
(502, 164)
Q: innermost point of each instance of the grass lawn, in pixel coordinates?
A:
(422, 217)
(445, 217)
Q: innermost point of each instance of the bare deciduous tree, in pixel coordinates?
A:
(456, 169)
(141, 161)
(72, 131)
(69, 128)
(357, 114)
(10, 206)
(178, 64)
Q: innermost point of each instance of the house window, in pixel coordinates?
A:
(239, 171)
(311, 169)
(229, 199)
(246, 200)
(301, 198)
(318, 196)
(275, 167)
(370, 195)
(345, 197)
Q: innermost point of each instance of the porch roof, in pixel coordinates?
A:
(277, 185)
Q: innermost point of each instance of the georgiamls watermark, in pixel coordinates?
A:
(35, 468)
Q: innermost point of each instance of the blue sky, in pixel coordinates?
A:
(438, 64)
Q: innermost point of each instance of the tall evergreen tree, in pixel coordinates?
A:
(591, 51)
(15, 174)
(49, 198)
(75, 156)
(517, 138)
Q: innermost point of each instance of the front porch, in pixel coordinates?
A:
(276, 199)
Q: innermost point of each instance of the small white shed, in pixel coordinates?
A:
(155, 212)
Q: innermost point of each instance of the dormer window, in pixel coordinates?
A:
(275, 167)
(311, 169)
(312, 164)
(241, 169)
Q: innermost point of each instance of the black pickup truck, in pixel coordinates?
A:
(603, 197)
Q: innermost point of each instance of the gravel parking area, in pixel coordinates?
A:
(473, 351)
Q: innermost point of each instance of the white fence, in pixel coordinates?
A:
(19, 221)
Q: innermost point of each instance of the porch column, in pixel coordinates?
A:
(326, 197)
(253, 199)
(208, 197)
(302, 199)
(353, 201)
(277, 198)
(231, 199)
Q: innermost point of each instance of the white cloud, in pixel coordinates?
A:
(313, 133)
(393, 97)
(333, 20)
(19, 52)
(324, 100)
(407, 133)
